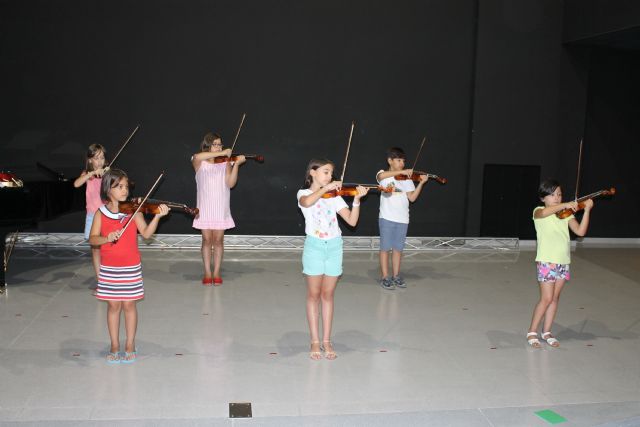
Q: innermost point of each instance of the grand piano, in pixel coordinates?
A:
(23, 206)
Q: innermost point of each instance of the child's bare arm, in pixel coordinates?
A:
(388, 174)
(232, 171)
(580, 228)
(95, 239)
(552, 210)
(352, 215)
(413, 195)
(198, 158)
(147, 230)
(310, 199)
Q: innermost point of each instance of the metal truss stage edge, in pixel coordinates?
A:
(190, 242)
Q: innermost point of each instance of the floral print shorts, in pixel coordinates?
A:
(549, 272)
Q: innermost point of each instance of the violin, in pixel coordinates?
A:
(415, 176)
(351, 190)
(153, 207)
(234, 157)
(566, 213)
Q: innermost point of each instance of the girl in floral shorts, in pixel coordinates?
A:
(553, 256)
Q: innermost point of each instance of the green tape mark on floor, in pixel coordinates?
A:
(551, 417)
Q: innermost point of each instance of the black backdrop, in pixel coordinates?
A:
(487, 82)
(82, 72)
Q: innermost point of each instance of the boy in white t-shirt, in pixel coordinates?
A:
(394, 214)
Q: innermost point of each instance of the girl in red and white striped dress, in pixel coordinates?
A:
(120, 278)
(214, 182)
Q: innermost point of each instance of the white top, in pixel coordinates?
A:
(321, 219)
(395, 206)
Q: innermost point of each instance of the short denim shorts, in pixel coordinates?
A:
(549, 272)
(322, 256)
(87, 225)
(392, 235)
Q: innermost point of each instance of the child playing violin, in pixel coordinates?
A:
(393, 219)
(91, 176)
(322, 255)
(214, 183)
(553, 255)
(120, 275)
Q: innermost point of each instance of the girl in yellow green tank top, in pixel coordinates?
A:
(553, 256)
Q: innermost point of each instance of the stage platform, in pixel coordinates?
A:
(449, 350)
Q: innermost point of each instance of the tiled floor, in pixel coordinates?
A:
(449, 350)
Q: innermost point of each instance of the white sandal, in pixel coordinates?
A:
(550, 340)
(534, 341)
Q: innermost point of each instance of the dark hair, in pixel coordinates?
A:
(110, 180)
(396, 153)
(313, 165)
(207, 142)
(548, 186)
(91, 153)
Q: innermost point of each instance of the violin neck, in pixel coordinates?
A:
(171, 205)
(591, 196)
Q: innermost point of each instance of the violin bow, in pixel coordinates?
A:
(123, 145)
(238, 133)
(418, 155)
(579, 167)
(346, 157)
(140, 206)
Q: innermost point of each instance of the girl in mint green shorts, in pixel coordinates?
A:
(322, 255)
(553, 256)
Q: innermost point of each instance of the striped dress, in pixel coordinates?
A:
(214, 198)
(120, 277)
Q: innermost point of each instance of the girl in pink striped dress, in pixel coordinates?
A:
(120, 277)
(214, 182)
(92, 177)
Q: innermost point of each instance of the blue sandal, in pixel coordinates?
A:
(113, 358)
(129, 357)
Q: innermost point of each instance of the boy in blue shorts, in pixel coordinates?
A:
(394, 214)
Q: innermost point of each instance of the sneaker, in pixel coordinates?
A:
(399, 282)
(387, 283)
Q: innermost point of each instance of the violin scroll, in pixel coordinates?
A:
(439, 179)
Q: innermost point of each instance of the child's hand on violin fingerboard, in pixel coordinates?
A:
(572, 205)
(588, 204)
(333, 185)
(164, 210)
(362, 191)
